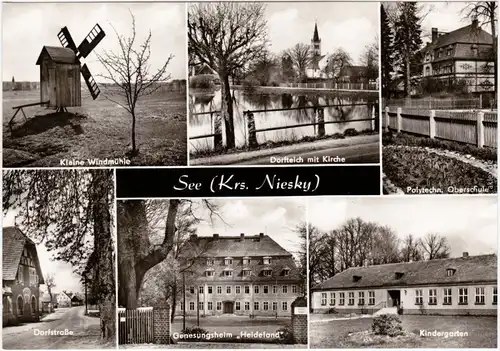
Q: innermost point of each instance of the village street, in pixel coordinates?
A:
(85, 332)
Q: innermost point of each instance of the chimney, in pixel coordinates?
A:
(434, 34)
(465, 254)
(475, 23)
(216, 236)
(261, 235)
(242, 236)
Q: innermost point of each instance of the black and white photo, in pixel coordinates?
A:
(221, 273)
(283, 83)
(399, 272)
(58, 260)
(94, 84)
(440, 117)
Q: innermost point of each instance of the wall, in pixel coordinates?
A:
(27, 292)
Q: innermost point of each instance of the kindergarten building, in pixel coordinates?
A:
(455, 286)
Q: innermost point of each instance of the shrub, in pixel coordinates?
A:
(203, 81)
(387, 324)
(332, 311)
(286, 335)
(351, 132)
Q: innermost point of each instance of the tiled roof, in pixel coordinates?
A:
(473, 269)
(13, 244)
(468, 34)
(58, 54)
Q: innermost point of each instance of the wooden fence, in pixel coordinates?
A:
(331, 85)
(471, 127)
(136, 326)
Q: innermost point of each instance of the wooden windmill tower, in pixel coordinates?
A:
(60, 67)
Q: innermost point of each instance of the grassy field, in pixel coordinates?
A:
(99, 129)
(482, 332)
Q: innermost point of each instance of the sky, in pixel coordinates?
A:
(27, 27)
(275, 217)
(347, 25)
(468, 222)
(64, 277)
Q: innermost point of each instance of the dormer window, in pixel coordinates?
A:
(267, 272)
(286, 271)
(210, 262)
(210, 272)
(399, 275)
(267, 260)
(228, 272)
(356, 278)
(450, 272)
(247, 272)
(228, 261)
(246, 260)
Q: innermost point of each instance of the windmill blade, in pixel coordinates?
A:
(66, 39)
(91, 84)
(91, 40)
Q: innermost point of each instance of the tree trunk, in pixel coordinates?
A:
(174, 301)
(407, 75)
(227, 110)
(133, 131)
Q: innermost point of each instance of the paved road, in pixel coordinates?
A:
(85, 332)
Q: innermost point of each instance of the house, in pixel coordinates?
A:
(59, 77)
(76, 300)
(21, 278)
(353, 74)
(454, 286)
(241, 275)
(63, 300)
(317, 63)
(465, 54)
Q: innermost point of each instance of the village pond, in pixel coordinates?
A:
(295, 108)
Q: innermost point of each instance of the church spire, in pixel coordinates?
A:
(316, 35)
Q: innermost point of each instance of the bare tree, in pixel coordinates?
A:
(227, 36)
(485, 13)
(411, 250)
(337, 64)
(369, 59)
(301, 56)
(129, 70)
(435, 246)
(50, 282)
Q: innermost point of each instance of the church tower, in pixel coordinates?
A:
(316, 42)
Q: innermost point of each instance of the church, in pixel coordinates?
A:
(318, 61)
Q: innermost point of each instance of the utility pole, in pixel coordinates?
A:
(184, 301)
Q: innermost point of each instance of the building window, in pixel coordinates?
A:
(20, 277)
(419, 297)
(191, 306)
(265, 306)
(237, 306)
(266, 289)
(246, 260)
(275, 306)
(450, 272)
(448, 52)
(20, 306)
(210, 262)
(209, 288)
(432, 297)
(228, 261)
(182, 306)
(479, 296)
(247, 306)
(201, 289)
(494, 295)
(284, 306)
(200, 306)
(341, 299)
(447, 296)
(323, 299)
(247, 289)
(256, 306)
(286, 272)
(361, 298)
(463, 296)
(228, 289)
(247, 272)
(267, 260)
(191, 289)
(237, 289)
(351, 299)
(294, 289)
(332, 299)
(275, 289)
(218, 305)
(219, 290)
(228, 273)
(285, 289)
(371, 297)
(210, 306)
(210, 273)
(256, 289)
(267, 272)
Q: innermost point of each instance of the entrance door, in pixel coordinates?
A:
(228, 307)
(393, 298)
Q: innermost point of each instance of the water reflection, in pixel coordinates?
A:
(243, 101)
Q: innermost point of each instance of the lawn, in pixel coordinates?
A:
(481, 332)
(99, 129)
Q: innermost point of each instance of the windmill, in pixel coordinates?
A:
(60, 69)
